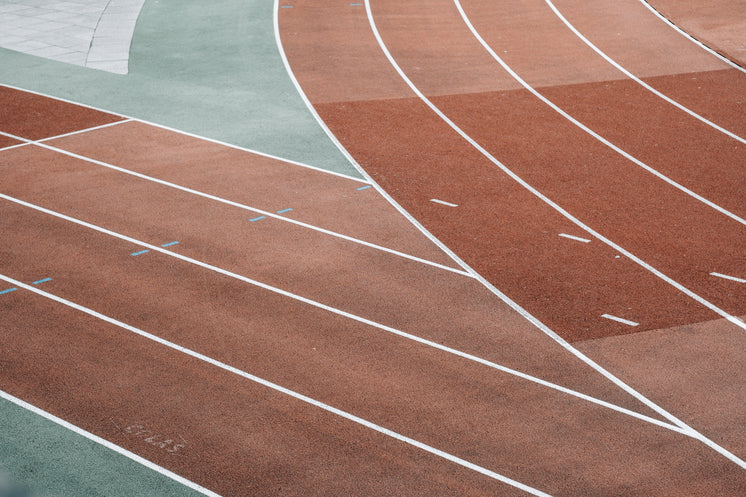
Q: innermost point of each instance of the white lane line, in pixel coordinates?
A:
(638, 80)
(589, 131)
(348, 315)
(620, 320)
(690, 37)
(443, 202)
(286, 391)
(663, 412)
(243, 206)
(727, 277)
(576, 238)
(27, 141)
(348, 155)
(101, 441)
(230, 145)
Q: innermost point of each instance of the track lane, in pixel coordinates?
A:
(407, 125)
(319, 199)
(395, 292)
(629, 33)
(396, 384)
(607, 196)
(233, 436)
(633, 119)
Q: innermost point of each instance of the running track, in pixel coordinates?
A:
(304, 338)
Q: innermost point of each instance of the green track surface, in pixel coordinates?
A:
(39, 458)
(208, 68)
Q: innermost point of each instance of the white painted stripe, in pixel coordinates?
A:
(243, 206)
(104, 442)
(443, 202)
(589, 131)
(691, 38)
(286, 391)
(237, 147)
(620, 320)
(732, 278)
(349, 156)
(85, 130)
(11, 147)
(528, 315)
(345, 314)
(576, 238)
(638, 80)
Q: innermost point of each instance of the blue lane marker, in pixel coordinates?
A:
(286, 6)
(356, 4)
(365, 187)
(283, 211)
(169, 244)
(8, 291)
(140, 252)
(257, 218)
(41, 281)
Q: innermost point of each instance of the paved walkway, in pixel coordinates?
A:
(89, 33)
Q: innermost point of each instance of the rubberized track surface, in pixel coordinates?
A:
(264, 328)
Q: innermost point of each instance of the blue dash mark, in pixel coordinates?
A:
(286, 6)
(283, 211)
(365, 187)
(356, 4)
(170, 244)
(140, 252)
(41, 281)
(257, 218)
(8, 291)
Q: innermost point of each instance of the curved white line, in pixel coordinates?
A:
(721, 450)
(589, 131)
(274, 386)
(638, 80)
(690, 37)
(349, 156)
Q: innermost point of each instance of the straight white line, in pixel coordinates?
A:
(237, 147)
(86, 130)
(620, 320)
(286, 391)
(242, 206)
(348, 315)
(732, 278)
(638, 80)
(589, 131)
(576, 238)
(17, 145)
(102, 441)
(443, 202)
(691, 38)
(721, 450)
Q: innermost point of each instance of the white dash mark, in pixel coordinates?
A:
(443, 202)
(725, 276)
(620, 320)
(576, 238)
